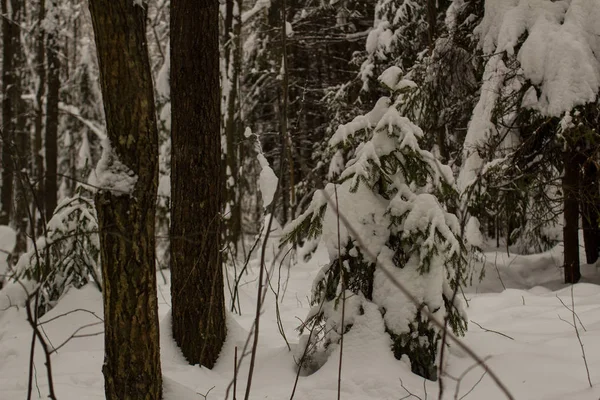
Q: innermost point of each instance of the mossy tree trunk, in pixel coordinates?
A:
(126, 221)
(198, 304)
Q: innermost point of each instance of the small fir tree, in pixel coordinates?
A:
(69, 256)
(395, 196)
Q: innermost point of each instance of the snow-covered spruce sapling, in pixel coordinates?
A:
(70, 254)
(393, 194)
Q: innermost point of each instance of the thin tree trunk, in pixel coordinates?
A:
(590, 211)
(18, 137)
(38, 157)
(570, 183)
(126, 220)
(234, 67)
(198, 306)
(431, 22)
(10, 35)
(288, 147)
(51, 182)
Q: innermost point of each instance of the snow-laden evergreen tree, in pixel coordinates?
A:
(535, 118)
(394, 195)
(403, 31)
(69, 256)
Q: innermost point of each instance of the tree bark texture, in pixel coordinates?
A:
(10, 45)
(51, 180)
(570, 183)
(126, 222)
(590, 210)
(198, 304)
(38, 157)
(16, 150)
(233, 68)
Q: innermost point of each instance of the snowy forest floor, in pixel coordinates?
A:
(534, 349)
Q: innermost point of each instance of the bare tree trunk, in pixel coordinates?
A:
(51, 182)
(16, 139)
(126, 220)
(38, 158)
(590, 211)
(198, 305)
(10, 36)
(570, 183)
(431, 22)
(288, 147)
(233, 54)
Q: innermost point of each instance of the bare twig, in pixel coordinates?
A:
(343, 281)
(258, 305)
(205, 395)
(461, 377)
(571, 310)
(498, 271)
(490, 330)
(46, 350)
(71, 312)
(235, 372)
(409, 393)
(474, 386)
(75, 335)
(575, 318)
(304, 353)
(244, 268)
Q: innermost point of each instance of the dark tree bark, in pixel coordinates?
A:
(10, 44)
(570, 183)
(16, 150)
(198, 304)
(233, 59)
(38, 157)
(126, 220)
(51, 181)
(590, 211)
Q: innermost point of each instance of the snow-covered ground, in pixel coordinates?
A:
(525, 331)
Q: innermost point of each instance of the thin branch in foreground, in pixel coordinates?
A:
(343, 281)
(571, 310)
(574, 325)
(493, 331)
(462, 376)
(409, 393)
(415, 301)
(75, 335)
(47, 352)
(71, 312)
(207, 393)
(474, 386)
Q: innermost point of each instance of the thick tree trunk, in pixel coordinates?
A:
(590, 211)
(126, 220)
(570, 183)
(198, 304)
(51, 182)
